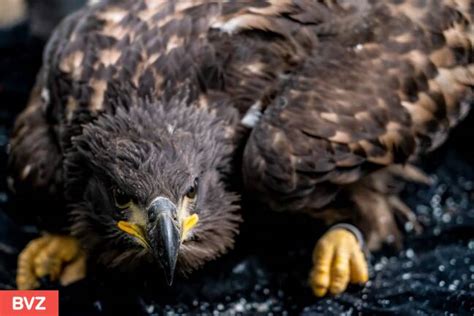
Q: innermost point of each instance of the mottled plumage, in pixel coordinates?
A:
(328, 98)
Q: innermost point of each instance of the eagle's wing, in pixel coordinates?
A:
(34, 155)
(363, 100)
(35, 159)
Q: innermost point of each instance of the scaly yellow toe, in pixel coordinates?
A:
(337, 261)
(50, 256)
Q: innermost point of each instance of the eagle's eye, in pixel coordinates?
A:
(122, 200)
(192, 191)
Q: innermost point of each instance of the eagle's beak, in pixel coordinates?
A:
(164, 234)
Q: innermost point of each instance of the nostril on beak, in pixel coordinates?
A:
(152, 215)
(161, 206)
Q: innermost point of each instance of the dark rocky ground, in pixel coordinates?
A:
(266, 273)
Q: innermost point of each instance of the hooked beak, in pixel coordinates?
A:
(164, 234)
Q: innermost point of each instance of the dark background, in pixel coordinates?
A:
(267, 272)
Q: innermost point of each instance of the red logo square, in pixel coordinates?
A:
(29, 303)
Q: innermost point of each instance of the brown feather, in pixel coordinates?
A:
(346, 88)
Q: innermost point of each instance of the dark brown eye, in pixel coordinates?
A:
(192, 191)
(122, 200)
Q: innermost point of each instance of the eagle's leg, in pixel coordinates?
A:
(338, 260)
(55, 256)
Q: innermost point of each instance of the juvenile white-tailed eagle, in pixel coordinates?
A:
(141, 105)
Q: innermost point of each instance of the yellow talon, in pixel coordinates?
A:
(59, 257)
(337, 261)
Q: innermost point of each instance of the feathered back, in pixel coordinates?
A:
(361, 98)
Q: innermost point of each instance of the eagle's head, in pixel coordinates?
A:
(146, 182)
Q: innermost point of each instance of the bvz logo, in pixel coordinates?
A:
(35, 303)
(28, 303)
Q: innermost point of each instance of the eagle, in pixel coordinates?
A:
(151, 119)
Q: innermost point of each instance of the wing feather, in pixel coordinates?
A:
(350, 110)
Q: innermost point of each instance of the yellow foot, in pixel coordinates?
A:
(337, 260)
(59, 257)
